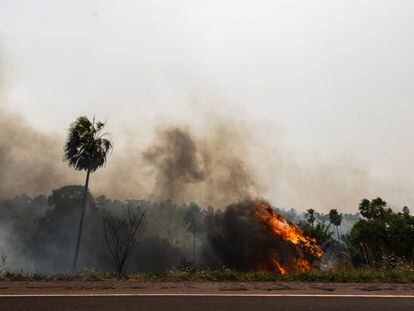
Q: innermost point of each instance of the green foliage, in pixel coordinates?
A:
(381, 234)
(357, 275)
(321, 232)
(87, 146)
(375, 209)
(86, 149)
(406, 210)
(400, 274)
(335, 218)
(310, 216)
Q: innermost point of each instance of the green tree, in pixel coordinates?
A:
(86, 149)
(380, 234)
(375, 209)
(335, 218)
(310, 216)
(194, 224)
(406, 211)
(320, 232)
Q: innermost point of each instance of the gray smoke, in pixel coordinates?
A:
(187, 168)
(177, 162)
(30, 161)
(217, 165)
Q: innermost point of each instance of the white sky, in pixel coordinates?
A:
(330, 77)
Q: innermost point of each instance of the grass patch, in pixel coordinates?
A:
(350, 275)
(354, 275)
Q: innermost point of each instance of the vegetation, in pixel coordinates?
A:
(86, 149)
(402, 274)
(310, 217)
(321, 232)
(335, 219)
(122, 234)
(193, 220)
(381, 235)
(379, 246)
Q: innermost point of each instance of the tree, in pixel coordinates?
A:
(335, 218)
(193, 221)
(406, 211)
(310, 216)
(321, 232)
(3, 260)
(122, 234)
(86, 149)
(381, 234)
(52, 235)
(375, 209)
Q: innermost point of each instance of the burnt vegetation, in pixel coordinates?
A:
(122, 234)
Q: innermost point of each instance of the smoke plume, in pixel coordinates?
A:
(198, 169)
(219, 164)
(30, 161)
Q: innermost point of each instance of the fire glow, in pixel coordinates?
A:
(305, 247)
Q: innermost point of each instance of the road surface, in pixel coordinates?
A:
(133, 295)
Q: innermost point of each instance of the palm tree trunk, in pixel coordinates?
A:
(194, 248)
(85, 193)
(337, 233)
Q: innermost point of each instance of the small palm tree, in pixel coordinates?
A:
(86, 149)
(193, 222)
(335, 218)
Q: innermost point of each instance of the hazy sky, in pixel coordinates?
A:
(327, 79)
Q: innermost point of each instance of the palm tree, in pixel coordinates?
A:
(193, 222)
(86, 149)
(335, 218)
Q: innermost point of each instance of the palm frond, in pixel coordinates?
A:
(87, 147)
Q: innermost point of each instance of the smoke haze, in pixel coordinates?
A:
(214, 162)
(305, 103)
(216, 166)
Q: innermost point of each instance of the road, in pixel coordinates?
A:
(130, 295)
(205, 303)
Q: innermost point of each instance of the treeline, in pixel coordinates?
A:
(382, 236)
(39, 234)
(378, 237)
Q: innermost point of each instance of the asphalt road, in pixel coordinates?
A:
(205, 303)
(127, 295)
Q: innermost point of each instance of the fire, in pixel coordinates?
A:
(279, 267)
(280, 228)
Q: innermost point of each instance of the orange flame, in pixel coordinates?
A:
(280, 268)
(280, 228)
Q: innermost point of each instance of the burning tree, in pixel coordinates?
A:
(250, 236)
(306, 248)
(122, 234)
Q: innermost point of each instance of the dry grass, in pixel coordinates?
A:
(404, 274)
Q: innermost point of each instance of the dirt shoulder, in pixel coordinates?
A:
(139, 287)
